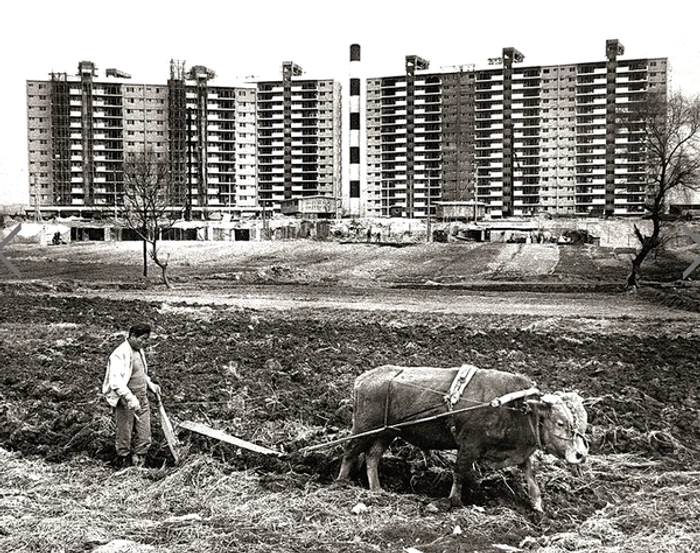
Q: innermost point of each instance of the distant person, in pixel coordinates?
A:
(632, 282)
(126, 387)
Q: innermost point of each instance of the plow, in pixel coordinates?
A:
(447, 408)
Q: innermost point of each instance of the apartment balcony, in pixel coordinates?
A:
(590, 172)
(590, 110)
(488, 76)
(595, 122)
(532, 94)
(488, 105)
(635, 68)
(271, 105)
(395, 85)
(627, 161)
(589, 70)
(590, 164)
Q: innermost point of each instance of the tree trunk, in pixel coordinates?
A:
(145, 258)
(164, 275)
(162, 264)
(648, 243)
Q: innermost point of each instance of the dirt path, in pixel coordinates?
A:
(465, 302)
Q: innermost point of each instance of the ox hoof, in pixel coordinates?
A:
(341, 483)
(440, 506)
(455, 503)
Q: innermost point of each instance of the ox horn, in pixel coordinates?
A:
(550, 399)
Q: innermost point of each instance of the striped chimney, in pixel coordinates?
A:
(354, 166)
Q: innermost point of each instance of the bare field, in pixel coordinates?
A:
(353, 264)
(265, 340)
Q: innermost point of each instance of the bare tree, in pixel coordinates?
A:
(672, 133)
(146, 203)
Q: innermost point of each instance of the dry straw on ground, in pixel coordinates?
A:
(205, 506)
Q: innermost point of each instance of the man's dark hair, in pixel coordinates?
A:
(140, 329)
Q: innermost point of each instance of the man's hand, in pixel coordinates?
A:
(155, 388)
(133, 403)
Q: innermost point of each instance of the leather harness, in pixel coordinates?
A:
(461, 380)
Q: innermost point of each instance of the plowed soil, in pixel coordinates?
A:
(271, 358)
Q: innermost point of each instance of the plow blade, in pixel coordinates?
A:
(170, 437)
(205, 430)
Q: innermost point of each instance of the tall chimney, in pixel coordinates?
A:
(355, 128)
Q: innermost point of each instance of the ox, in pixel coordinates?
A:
(388, 398)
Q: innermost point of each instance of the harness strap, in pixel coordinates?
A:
(535, 427)
(387, 399)
(459, 384)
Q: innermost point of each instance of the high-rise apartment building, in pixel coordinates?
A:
(522, 139)
(212, 143)
(82, 128)
(517, 140)
(237, 150)
(299, 139)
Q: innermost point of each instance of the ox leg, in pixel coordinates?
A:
(462, 471)
(351, 451)
(347, 467)
(373, 457)
(532, 487)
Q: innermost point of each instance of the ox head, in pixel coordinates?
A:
(561, 427)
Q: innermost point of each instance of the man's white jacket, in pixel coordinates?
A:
(119, 369)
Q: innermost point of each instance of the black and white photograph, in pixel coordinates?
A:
(352, 277)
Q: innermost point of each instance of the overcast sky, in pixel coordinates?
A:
(237, 39)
